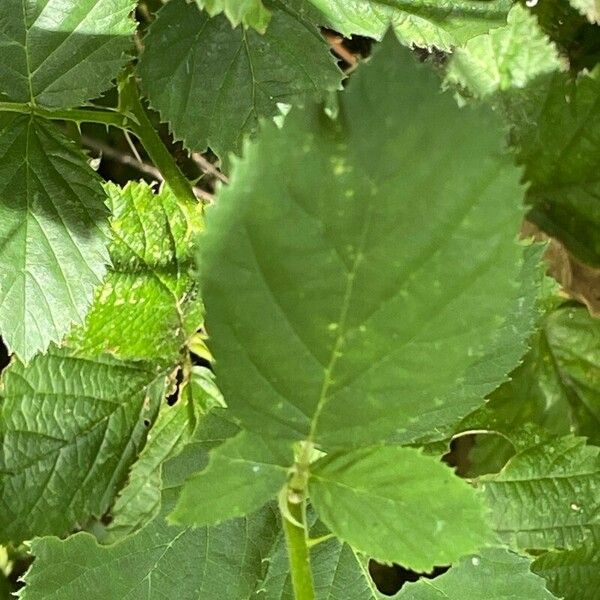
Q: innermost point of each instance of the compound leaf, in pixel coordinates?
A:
(147, 306)
(495, 574)
(53, 232)
(251, 75)
(70, 429)
(440, 23)
(373, 497)
(504, 58)
(380, 260)
(60, 53)
(546, 496)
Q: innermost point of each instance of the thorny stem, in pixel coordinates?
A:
(130, 117)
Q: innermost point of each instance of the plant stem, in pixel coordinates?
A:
(298, 552)
(144, 130)
(77, 115)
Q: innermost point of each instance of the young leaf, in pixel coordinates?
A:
(243, 474)
(546, 496)
(420, 23)
(378, 254)
(504, 58)
(251, 13)
(161, 560)
(53, 232)
(148, 305)
(251, 75)
(60, 53)
(70, 429)
(495, 574)
(396, 505)
(556, 132)
(572, 574)
(139, 501)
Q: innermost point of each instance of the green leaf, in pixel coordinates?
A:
(70, 429)
(252, 76)
(546, 496)
(243, 474)
(251, 13)
(441, 23)
(161, 560)
(53, 231)
(572, 574)
(504, 58)
(496, 574)
(139, 501)
(339, 573)
(147, 306)
(380, 259)
(555, 128)
(60, 53)
(397, 505)
(588, 8)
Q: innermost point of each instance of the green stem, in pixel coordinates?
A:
(298, 552)
(145, 132)
(77, 115)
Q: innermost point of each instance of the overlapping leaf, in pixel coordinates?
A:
(53, 232)
(547, 496)
(495, 574)
(139, 501)
(213, 83)
(556, 132)
(378, 254)
(251, 13)
(161, 560)
(440, 23)
(70, 429)
(396, 505)
(147, 306)
(504, 58)
(60, 53)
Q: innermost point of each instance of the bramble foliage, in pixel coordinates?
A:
(245, 381)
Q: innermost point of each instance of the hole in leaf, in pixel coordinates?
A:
(174, 395)
(4, 355)
(389, 579)
(147, 422)
(458, 456)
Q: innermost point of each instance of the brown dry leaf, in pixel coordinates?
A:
(578, 280)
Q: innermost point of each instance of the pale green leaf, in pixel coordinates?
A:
(139, 501)
(70, 429)
(252, 76)
(546, 496)
(504, 58)
(495, 574)
(160, 561)
(398, 505)
(147, 305)
(60, 53)
(250, 13)
(53, 231)
(440, 23)
(555, 128)
(588, 8)
(243, 474)
(378, 254)
(572, 574)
